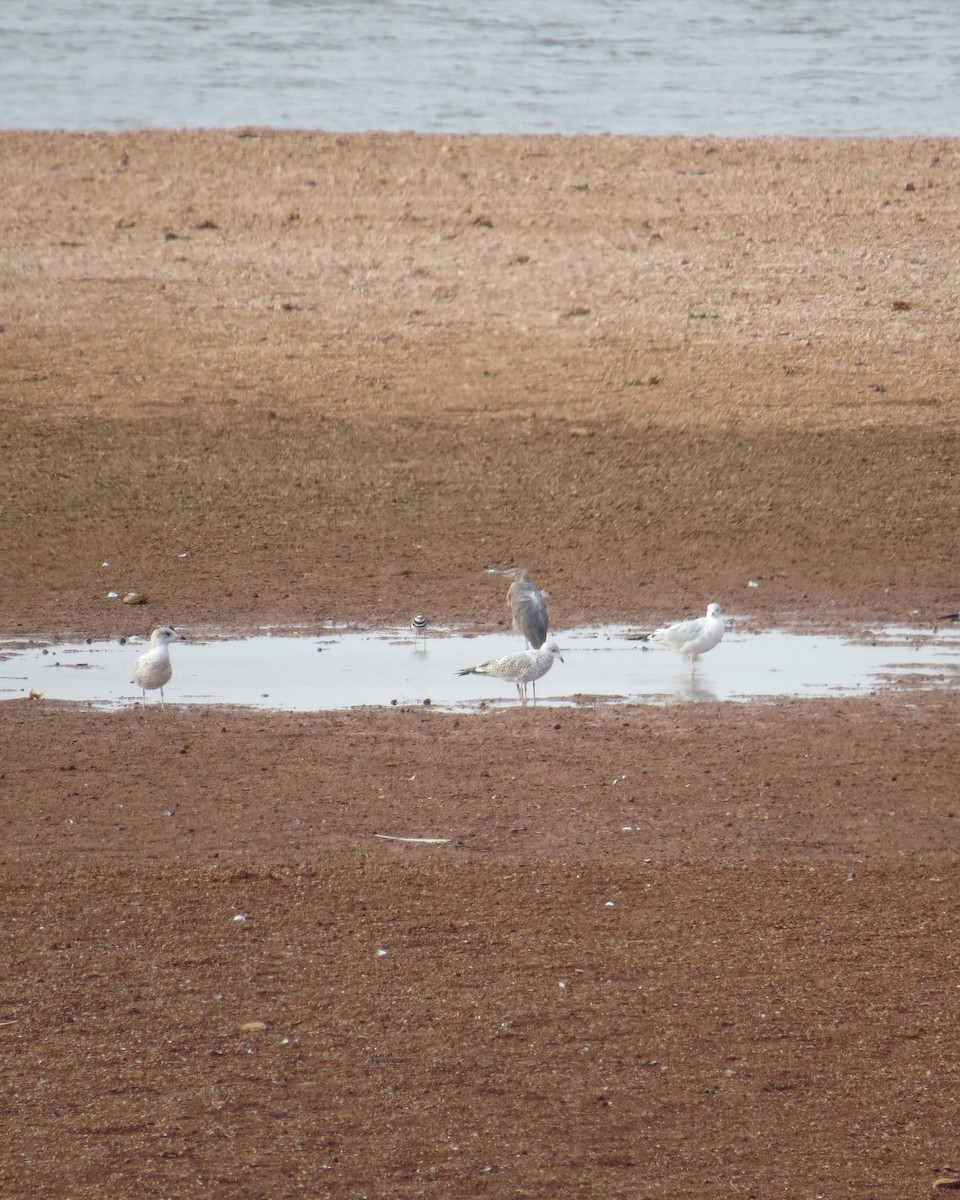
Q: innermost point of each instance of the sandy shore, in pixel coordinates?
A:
(262, 377)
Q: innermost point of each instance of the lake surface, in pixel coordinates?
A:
(281, 671)
(724, 67)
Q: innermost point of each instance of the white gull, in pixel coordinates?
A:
(153, 669)
(694, 637)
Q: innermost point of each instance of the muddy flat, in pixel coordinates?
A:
(262, 379)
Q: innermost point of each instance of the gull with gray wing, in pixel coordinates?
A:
(692, 638)
(521, 668)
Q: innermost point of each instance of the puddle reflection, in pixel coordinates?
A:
(348, 669)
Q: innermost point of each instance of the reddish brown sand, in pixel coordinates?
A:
(703, 950)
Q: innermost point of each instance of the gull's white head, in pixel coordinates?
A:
(554, 649)
(713, 610)
(163, 636)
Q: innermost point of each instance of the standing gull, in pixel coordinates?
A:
(153, 669)
(527, 605)
(521, 668)
(692, 638)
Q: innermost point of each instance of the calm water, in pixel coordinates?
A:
(382, 668)
(727, 67)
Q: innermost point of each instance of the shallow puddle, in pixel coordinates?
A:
(349, 669)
